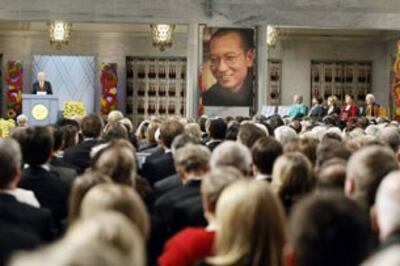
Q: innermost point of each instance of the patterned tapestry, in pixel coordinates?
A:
(72, 77)
(14, 80)
(109, 81)
(396, 85)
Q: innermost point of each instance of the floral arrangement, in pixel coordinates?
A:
(396, 86)
(14, 81)
(5, 126)
(109, 81)
(74, 108)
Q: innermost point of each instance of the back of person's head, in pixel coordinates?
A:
(192, 158)
(114, 116)
(193, 130)
(251, 226)
(151, 132)
(36, 144)
(306, 146)
(62, 122)
(265, 152)
(182, 140)
(232, 154)
(22, 120)
(58, 137)
(249, 133)
(127, 123)
(91, 126)
(80, 187)
(202, 122)
(114, 130)
(389, 256)
(169, 129)
(296, 125)
(214, 183)
(120, 198)
(106, 239)
(10, 162)
(292, 177)
(70, 136)
(275, 121)
(332, 174)
(284, 134)
(329, 149)
(365, 171)
(216, 128)
(117, 161)
(232, 131)
(391, 136)
(388, 205)
(328, 229)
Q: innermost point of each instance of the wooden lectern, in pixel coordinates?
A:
(41, 110)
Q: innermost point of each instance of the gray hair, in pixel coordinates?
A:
(284, 134)
(192, 157)
(232, 154)
(367, 167)
(10, 160)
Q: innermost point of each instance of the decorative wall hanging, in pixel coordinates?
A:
(14, 80)
(109, 81)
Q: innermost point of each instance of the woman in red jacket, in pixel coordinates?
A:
(349, 109)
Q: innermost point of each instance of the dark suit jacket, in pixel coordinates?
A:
(47, 88)
(12, 239)
(50, 190)
(167, 184)
(188, 212)
(34, 220)
(79, 155)
(158, 167)
(213, 144)
(164, 206)
(66, 174)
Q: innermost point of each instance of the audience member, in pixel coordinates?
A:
(284, 134)
(332, 174)
(327, 229)
(216, 130)
(249, 133)
(264, 153)
(232, 154)
(251, 227)
(298, 109)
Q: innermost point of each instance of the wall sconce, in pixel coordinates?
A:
(272, 36)
(59, 32)
(162, 34)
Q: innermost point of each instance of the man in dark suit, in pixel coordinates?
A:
(25, 217)
(216, 129)
(157, 167)
(52, 193)
(191, 163)
(41, 85)
(79, 155)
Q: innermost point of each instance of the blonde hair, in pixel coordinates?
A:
(120, 198)
(80, 187)
(251, 226)
(192, 157)
(118, 161)
(105, 239)
(114, 116)
(193, 129)
(292, 176)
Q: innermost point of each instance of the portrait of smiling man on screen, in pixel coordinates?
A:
(231, 60)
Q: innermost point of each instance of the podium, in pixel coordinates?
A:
(41, 110)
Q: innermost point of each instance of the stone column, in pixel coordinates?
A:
(262, 65)
(192, 55)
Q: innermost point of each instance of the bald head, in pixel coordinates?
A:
(388, 204)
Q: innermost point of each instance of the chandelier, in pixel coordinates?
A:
(272, 35)
(162, 34)
(59, 32)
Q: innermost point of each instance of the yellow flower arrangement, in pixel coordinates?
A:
(73, 108)
(5, 126)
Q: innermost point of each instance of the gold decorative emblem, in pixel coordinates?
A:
(40, 112)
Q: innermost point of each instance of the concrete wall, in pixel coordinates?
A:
(297, 53)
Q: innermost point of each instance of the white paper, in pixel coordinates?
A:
(41, 93)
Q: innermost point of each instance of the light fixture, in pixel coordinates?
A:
(161, 35)
(272, 35)
(59, 32)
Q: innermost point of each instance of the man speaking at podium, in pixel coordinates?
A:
(41, 86)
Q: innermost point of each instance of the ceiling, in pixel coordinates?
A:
(358, 14)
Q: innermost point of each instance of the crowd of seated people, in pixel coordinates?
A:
(307, 189)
